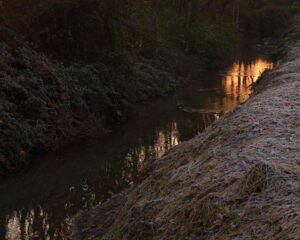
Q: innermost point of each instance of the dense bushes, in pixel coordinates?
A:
(44, 105)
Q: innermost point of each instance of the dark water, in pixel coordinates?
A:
(39, 203)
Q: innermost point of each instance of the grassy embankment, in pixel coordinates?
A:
(239, 179)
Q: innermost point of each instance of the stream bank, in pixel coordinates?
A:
(40, 201)
(46, 105)
(239, 179)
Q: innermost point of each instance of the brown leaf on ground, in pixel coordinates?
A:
(274, 219)
(230, 180)
(219, 220)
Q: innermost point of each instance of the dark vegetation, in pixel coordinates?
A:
(71, 68)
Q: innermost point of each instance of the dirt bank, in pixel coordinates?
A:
(239, 179)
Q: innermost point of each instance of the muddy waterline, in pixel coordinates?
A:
(39, 203)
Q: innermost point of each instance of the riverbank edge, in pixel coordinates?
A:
(46, 106)
(239, 179)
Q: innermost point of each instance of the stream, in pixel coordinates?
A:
(38, 203)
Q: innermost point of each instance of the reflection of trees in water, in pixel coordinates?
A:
(34, 224)
(53, 218)
(236, 84)
(116, 168)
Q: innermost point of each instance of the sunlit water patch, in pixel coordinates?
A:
(40, 202)
(239, 79)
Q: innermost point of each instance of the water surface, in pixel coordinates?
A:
(39, 203)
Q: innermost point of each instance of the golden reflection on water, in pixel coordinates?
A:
(13, 231)
(237, 82)
(21, 226)
(164, 141)
(236, 87)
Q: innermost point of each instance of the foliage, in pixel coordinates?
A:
(45, 105)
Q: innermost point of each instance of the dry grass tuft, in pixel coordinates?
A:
(262, 177)
(205, 213)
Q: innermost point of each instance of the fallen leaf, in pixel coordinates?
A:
(274, 219)
(219, 220)
(230, 180)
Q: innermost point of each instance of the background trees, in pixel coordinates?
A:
(89, 29)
